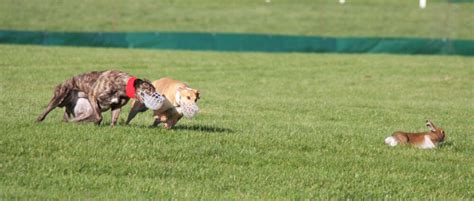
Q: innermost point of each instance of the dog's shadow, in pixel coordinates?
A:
(203, 128)
(199, 128)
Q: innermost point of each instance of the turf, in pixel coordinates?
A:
(388, 18)
(271, 127)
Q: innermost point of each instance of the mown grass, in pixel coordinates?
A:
(271, 127)
(389, 18)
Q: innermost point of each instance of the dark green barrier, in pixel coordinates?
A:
(242, 42)
(461, 1)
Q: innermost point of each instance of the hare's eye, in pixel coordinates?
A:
(189, 98)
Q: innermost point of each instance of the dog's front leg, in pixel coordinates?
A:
(136, 108)
(156, 122)
(171, 122)
(85, 116)
(115, 115)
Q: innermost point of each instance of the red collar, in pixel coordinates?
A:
(130, 89)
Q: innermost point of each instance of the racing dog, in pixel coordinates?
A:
(180, 100)
(105, 90)
(424, 140)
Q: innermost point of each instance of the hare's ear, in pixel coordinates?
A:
(430, 125)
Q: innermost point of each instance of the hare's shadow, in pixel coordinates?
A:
(446, 144)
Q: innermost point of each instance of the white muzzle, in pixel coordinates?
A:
(189, 110)
(154, 102)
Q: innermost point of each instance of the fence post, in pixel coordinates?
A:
(422, 4)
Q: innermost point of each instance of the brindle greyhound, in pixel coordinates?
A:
(105, 90)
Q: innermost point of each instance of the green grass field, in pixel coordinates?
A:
(363, 18)
(271, 127)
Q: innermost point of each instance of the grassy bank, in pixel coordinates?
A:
(304, 17)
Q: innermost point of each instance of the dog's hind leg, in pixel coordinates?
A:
(41, 117)
(60, 93)
(83, 111)
(84, 118)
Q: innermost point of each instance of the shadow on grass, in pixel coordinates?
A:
(204, 128)
(445, 144)
(200, 128)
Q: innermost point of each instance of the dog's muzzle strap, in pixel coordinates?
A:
(153, 101)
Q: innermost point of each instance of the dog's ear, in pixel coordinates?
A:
(197, 93)
(144, 84)
(137, 83)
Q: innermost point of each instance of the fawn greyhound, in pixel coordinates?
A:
(180, 100)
